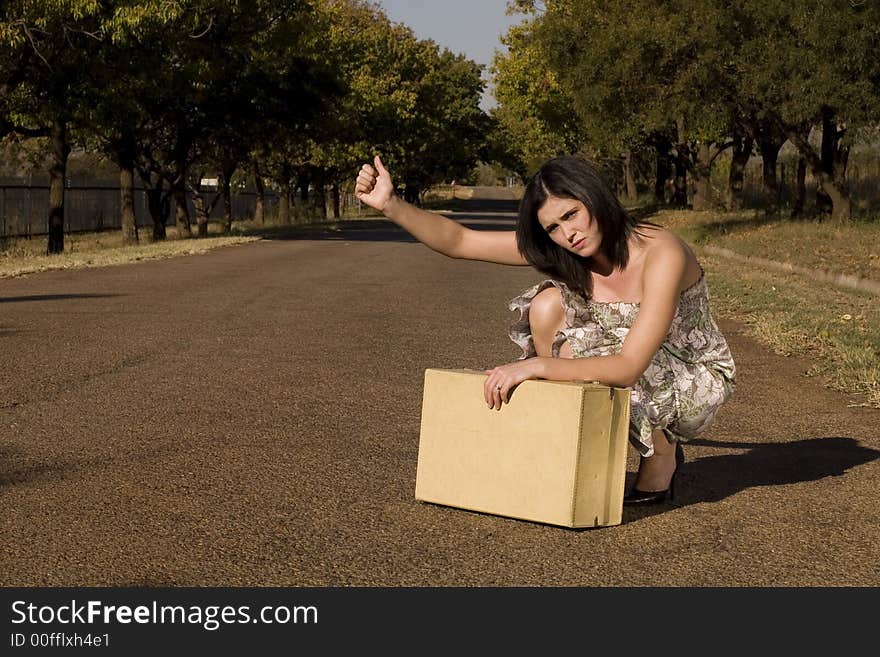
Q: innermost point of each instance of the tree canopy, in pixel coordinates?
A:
(693, 77)
(298, 92)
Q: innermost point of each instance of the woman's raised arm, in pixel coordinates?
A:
(374, 187)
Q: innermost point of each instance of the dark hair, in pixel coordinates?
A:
(572, 177)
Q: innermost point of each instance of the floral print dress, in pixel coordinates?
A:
(687, 381)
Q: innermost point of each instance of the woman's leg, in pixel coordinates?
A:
(655, 472)
(546, 319)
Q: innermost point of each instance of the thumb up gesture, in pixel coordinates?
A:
(374, 186)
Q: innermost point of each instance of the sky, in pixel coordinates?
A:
(469, 27)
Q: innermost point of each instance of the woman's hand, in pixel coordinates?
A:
(501, 380)
(374, 186)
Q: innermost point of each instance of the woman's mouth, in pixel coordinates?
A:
(579, 243)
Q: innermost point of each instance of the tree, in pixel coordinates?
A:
(445, 134)
(293, 64)
(535, 118)
(45, 46)
(356, 43)
(403, 97)
(645, 73)
(801, 66)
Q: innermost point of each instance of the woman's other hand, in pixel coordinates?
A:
(374, 186)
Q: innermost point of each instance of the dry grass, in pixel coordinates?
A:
(852, 248)
(22, 256)
(837, 330)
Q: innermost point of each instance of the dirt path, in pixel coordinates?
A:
(250, 417)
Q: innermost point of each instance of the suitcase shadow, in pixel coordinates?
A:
(711, 478)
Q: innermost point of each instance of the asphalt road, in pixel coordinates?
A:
(250, 417)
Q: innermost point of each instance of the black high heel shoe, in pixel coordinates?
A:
(636, 496)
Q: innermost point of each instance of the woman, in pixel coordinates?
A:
(626, 305)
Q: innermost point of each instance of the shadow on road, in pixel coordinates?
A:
(345, 231)
(713, 478)
(374, 230)
(13, 472)
(508, 206)
(491, 208)
(54, 297)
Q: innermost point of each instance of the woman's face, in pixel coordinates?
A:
(569, 224)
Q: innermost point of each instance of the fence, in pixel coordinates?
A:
(93, 206)
(24, 207)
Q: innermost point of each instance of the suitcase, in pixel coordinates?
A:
(556, 454)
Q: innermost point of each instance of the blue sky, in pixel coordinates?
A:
(470, 27)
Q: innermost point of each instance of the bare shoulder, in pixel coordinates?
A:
(664, 248)
(652, 237)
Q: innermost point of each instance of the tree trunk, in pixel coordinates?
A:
(126, 204)
(682, 157)
(679, 184)
(57, 175)
(203, 211)
(124, 150)
(337, 205)
(823, 199)
(157, 204)
(303, 183)
(157, 200)
(841, 206)
(770, 137)
(284, 206)
(181, 211)
(769, 154)
(702, 171)
(226, 191)
(319, 198)
(742, 151)
(201, 215)
(662, 147)
(834, 161)
(284, 195)
(260, 202)
(632, 194)
(178, 191)
(228, 168)
(797, 208)
(411, 193)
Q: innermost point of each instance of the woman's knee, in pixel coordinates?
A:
(546, 310)
(546, 317)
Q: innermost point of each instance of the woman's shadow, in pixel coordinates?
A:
(713, 478)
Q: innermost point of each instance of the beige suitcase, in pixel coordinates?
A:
(556, 454)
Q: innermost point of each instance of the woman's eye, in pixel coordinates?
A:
(550, 229)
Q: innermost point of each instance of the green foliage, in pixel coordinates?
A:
(698, 71)
(404, 98)
(636, 67)
(133, 19)
(535, 119)
(303, 86)
(444, 135)
(794, 59)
